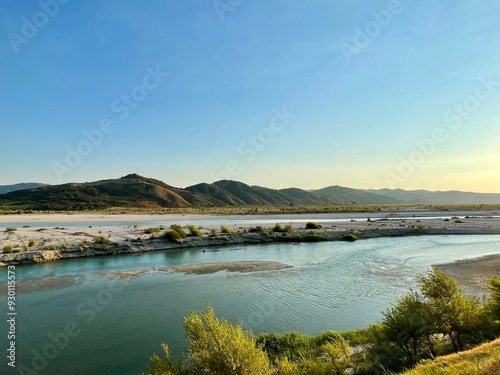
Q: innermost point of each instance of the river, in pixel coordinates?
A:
(117, 323)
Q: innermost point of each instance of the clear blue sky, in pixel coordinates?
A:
(334, 92)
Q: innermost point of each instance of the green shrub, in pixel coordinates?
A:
(278, 228)
(179, 230)
(172, 235)
(7, 249)
(101, 240)
(288, 228)
(292, 345)
(311, 225)
(16, 250)
(193, 231)
(31, 243)
(226, 230)
(10, 229)
(258, 229)
(459, 221)
(350, 237)
(152, 230)
(214, 233)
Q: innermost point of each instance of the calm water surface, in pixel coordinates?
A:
(333, 285)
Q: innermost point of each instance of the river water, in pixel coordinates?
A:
(117, 323)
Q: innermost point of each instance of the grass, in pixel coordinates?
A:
(10, 229)
(226, 230)
(484, 359)
(312, 237)
(152, 230)
(172, 235)
(26, 209)
(100, 240)
(279, 229)
(193, 231)
(179, 229)
(7, 249)
(258, 229)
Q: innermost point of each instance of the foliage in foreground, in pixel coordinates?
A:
(436, 320)
(484, 359)
(214, 347)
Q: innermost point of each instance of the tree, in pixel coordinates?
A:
(452, 313)
(407, 324)
(216, 347)
(494, 302)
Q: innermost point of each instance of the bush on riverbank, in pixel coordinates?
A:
(193, 231)
(152, 230)
(100, 240)
(435, 320)
(279, 229)
(179, 229)
(312, 237)
(172, 235)
(7, 249)
(226, 230)
(311, 225)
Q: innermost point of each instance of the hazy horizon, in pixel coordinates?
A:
(395, 94)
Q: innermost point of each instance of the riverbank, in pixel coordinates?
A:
(472, 274)
(38, 244)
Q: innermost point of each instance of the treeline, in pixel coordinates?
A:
(437, 319)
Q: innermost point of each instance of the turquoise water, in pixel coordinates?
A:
(117, 325)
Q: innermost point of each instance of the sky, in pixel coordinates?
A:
(277, 93)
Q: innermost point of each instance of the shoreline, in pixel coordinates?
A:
(472, 274)
(40, 244)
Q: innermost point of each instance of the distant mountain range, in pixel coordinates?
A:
(141, 192)
(28, 185)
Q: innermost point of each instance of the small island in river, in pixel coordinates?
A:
(35, 243)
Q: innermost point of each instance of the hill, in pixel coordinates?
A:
(355, 196)
(439, 197)
(484, 359)
(237, 193)
(129, 191)
(135, 191)
(22, 186)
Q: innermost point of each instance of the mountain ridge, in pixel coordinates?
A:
(137, 191)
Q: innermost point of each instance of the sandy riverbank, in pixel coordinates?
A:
(472, 274)
(34, 243)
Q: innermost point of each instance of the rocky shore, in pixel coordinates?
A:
(27, 244)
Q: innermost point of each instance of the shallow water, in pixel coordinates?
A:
(121, 322)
